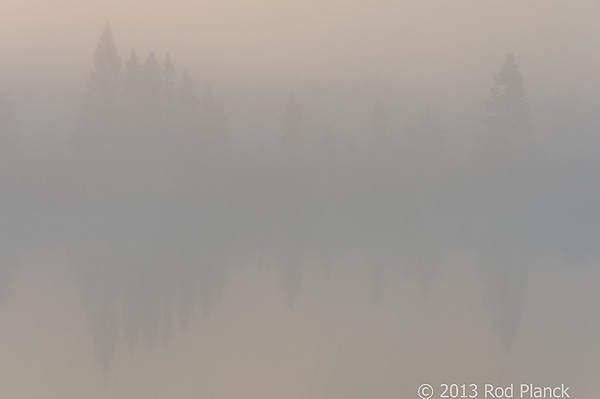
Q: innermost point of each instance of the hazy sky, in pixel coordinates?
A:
(433, 44)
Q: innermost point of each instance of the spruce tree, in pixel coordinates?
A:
(507, 118)
(101, 100)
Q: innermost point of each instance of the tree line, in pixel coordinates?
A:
(147, 101)
(148, 105)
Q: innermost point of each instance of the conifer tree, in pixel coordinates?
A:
(507, 117)
(101, 100)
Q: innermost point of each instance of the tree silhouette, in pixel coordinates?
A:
(507, 117)
(101, 100)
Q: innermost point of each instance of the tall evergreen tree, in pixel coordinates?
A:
(507, 118)
(101, 101)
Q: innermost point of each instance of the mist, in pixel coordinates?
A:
(295, 199)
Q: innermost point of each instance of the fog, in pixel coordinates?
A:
(296, 199)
